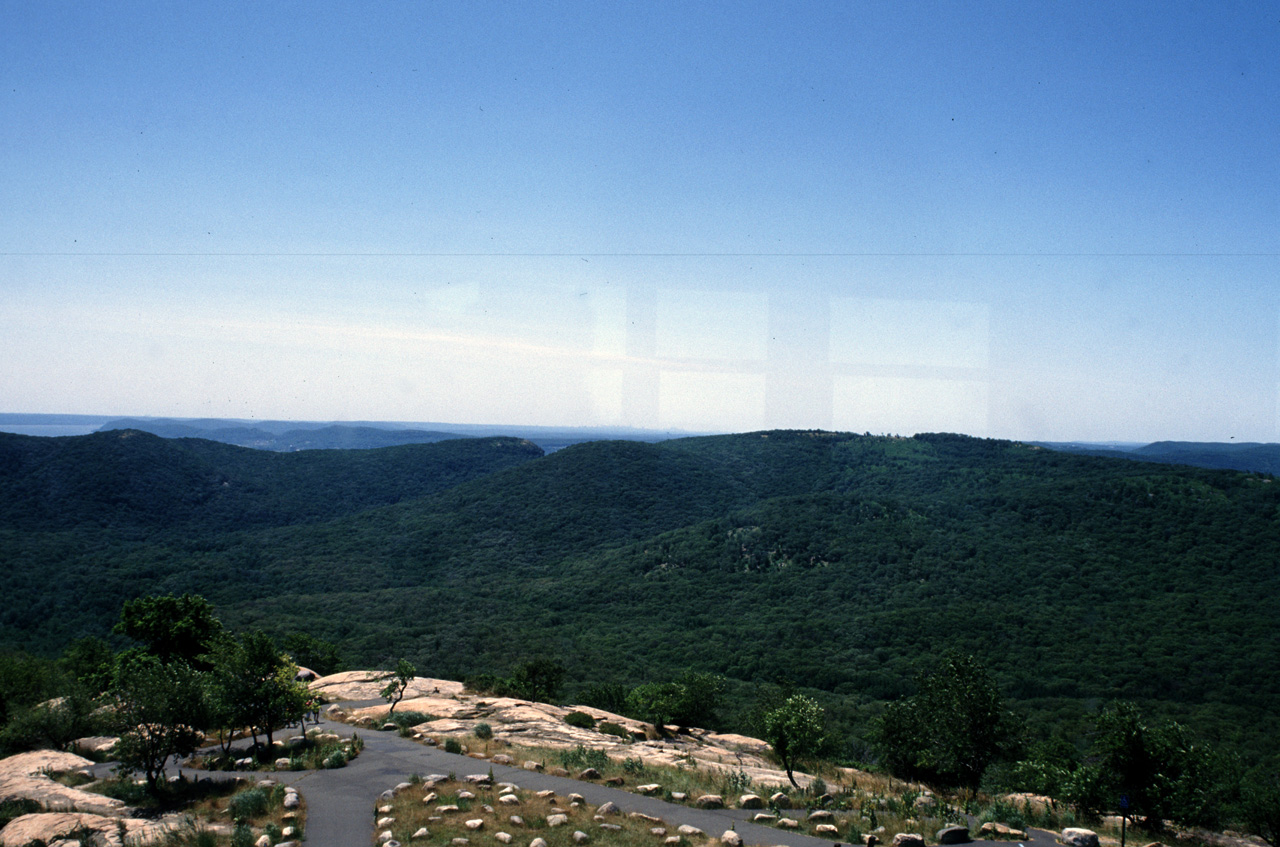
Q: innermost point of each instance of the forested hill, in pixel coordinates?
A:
(131, 479)
(832, 561)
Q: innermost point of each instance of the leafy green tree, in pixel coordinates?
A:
(398, 684)
(795, 730)
(310, 652)
(254, 686)
(90, 663)
(160, 710)
(537, 679)
(1155, 763)
(951, 729)
(1260, 804)
(172, 628)
(655, 702)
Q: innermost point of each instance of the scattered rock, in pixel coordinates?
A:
(652, 788)
(731, 838)
(826, 829)
(558, 772)
(608, 808)
(658, 831)
(509, 800)
(954, 834)
(611, 827)
(557, 820)
(263, 841)
(1076, 837)
(642, 816)
(516, 820)
(764, 817)
(690, 831)
(789, 823)
(576, 799)
(292, 800)
(446, 809)
(546, 794)
(460, 842)
(615, 781)
(475, 823)
(422, 833)
(532, 766)
(385, 836)
(679, 796)
(821, 815)
(750, 801)
(710, 801)
(580, 837)
(387, 821)
(589, 773)
(502, 759)
(908, 839)
(780, 801)
(431, 797)
(478, 779)
(504, 837)
(537, 842)
(466, 795)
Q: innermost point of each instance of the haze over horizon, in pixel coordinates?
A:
(1028, 221)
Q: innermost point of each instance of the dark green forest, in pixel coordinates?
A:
(834, 563)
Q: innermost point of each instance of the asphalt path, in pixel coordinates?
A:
(340, 803)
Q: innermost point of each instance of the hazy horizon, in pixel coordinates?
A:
(1017, 220)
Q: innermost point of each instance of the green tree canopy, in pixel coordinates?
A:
(795, 730)
(951, 729)
(160, 710)
(397, 684)
(171, 627)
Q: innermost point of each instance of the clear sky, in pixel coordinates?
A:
(1034, 220)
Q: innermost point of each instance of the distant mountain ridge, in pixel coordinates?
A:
(1246, 456)
(832, 561)
(330, 437)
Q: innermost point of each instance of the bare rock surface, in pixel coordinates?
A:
(25, 777)
(49, 827)
(457, 713)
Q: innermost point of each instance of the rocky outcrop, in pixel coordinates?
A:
(50, 827)
(456, 714)
(26, 777)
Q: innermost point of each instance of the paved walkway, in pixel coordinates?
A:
(341, 802)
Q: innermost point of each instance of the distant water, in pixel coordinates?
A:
(49, 429)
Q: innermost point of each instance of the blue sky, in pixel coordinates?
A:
(1023, 220)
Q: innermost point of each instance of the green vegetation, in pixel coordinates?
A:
(795, 730)
(774, 564)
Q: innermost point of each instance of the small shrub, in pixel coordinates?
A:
(242, 836)
(635, 767)
(273, 832)
(736, 782)
(483, 731)
(611, 728)
(581, 720)
(818, 787)
(583, 757)
(248, 804)
(451, 745)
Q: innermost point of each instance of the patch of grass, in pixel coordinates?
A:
(410, 814)
(11, 809)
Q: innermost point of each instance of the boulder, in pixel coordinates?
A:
(385, 836)
(710, 801)
(501, 759)
(750, 801)
(651, 788)
(421, 833)
(608, 808)
(532, 765)
(780, 801)
(789, 823)
(764, 817)
(908, 839)
(504, 837)
(516, 820)
(826, 829)
(954, 834)
(615, 781)
(509, 800)
(557, 820)
(558, 772)
(263, 841)
(731, 838)
(475, 823)
(580, 837)
(1075, 837)
(690, 831)
(821, 815)
(611, 827)
(386, 821)
(537, 842)
(589, 773)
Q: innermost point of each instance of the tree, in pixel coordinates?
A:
(795, 730)
(951, 729)
(691, 700)
(655, 702)
(1156, 764)
(1260, 804)
(254, 685)
(314, 653)
(159, 712)
(537, 679)
(172, 628)
(400, 678)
